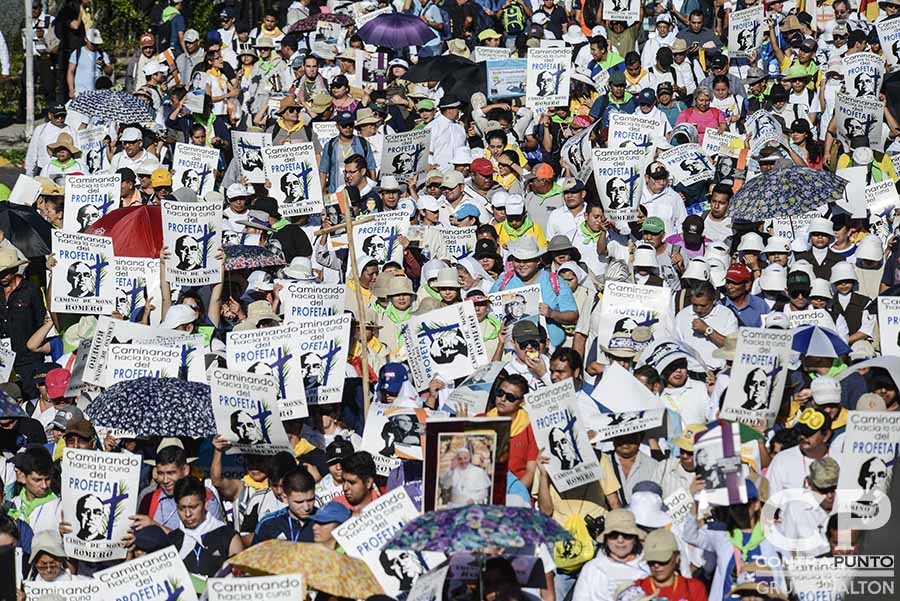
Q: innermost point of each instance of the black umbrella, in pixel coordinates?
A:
(436, 68)
(26, 229)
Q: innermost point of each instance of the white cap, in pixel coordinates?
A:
(820, 225)
(131, 134)
(804, 266)
(299, 269)
(718, 250)
(461, 156)
(777, 244)
(153, 67)
(515, 205)
(178, 315)
(826, 391)
(820, 288)
(645, 256)
(776, 320)
(93, 36)
(238, 190)
(540, 18)
(862, 350)
(863, 155)
(260, 280)
(751, 241)
(191, 35)
(428, 202)
(697, 269)
(499, 199)
(389, 182)
(843, 271)
(717, 270)
(598, 30)
(773, 278)
(870, 248)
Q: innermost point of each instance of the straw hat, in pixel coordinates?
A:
(288, 102)
(257, 311)
(621, 520)
(365, 116)
(399, 285)
(318, 104)
(64, 140)
(9, 259)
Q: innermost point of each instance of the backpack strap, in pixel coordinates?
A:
(554, 281)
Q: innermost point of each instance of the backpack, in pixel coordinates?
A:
(513, 19)
(571, 555)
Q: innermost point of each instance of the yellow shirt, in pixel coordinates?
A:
(587, 499)
(535, 230)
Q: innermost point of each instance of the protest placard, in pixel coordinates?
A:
(289, 587)
(889, 324)
(762, 122)
(393, 434)
(717, 453)
(88, 198)
(136, 281)
(818, 578)
(379, 239)
(633, 131)
(471, 396)
(793, 226)
(246, 411)
(459, 242)
(548, 77)
(248, 147)
(7, 359)
(889, 38)
(83, 279)
(858, 117)
(445, 342)
(99, 494)
(811, 317)
(193, 233)
(194, 167)
(160, 575)
(405, 154)
(559, 429)
(627, 306)
(509, 306)
(365, 535)
(485, 53)
(506, 78)
(67, 590)
(576, 154)
(374, 443)
(679, 505)
(131, 361)
(687, 163)
(294, 177)
(430, 586)
(25, 191)
(881, 203)
(93, 148)
(758, 374)
(713, 141)
(629, 405)
(618, 174)
(622, 10)
(871, 446)
(324, 131)
(863, 74)
(371, 69)
(745, 31)
(363, 17)
(274, 352)
(304, 300)
(322, 344)
(465, 461)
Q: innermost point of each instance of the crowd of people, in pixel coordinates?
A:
(503, 168)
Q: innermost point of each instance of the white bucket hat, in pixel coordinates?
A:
(870, 248)
(773, 278)
(751, 241)
(843, 271)
(697, 269)
(778, 245)
(820, 225)
(299, 269)
(820, 288)
(645, 257)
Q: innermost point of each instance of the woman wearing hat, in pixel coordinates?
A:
(448, 287)
(619, 559)
(49, 562)
(399, 309)
(64, 159)
(288, 128)
(472, 275)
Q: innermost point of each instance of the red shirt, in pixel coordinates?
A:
(522, 449)
(683, 589)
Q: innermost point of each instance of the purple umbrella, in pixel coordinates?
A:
(396, 30)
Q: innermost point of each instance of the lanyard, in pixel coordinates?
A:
(197, 551)
(291, 528)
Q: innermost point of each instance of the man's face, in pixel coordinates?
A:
(89, 216)
(355, 488)
(82, 279)
(702, 305)
(598, 53)
(634, 68)
(735, 290)
(758, 387)
(656, 185)
(819, 240)
(453, 194)
(132, 147)
(545, 83)
(311, 68)
(404, 163)
(246, 427)
(525, 268)
(270, 22)
(92, 519)
(404, 564)
(37, 485)
(377, 248)
(74, 441)
(301, 504)
(686, 459)
(293, 188)
(696, 24)
(718, 205)
(190, 252)
(876, 476)
(353, 175)
(560, 371)
(865, 85)
(809, 444)
(192, 180)
(562, 446)
(463, 460)
(192, 511)
(618, 192)
(168, 474)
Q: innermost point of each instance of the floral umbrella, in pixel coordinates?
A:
(788, 191)
(323, 569)
(476, 527)
(240, 256)
(110, 106)
(309, 24)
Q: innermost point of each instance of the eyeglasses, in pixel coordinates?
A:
(614, 535)
(292, 109)
(503, 394)
(804, 292)
(529, 343)
(659, 564)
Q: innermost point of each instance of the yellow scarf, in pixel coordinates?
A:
(290, 129)
(303, 447)
(519, 423)
(251, 483)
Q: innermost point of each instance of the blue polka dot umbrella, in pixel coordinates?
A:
(788, 191)
(151, 407)
(110, 106)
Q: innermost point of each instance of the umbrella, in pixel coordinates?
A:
(396, 30)
(476, 527)
(436, 68)
(152, 407)
(789, 191)
(323, 569)
(135, 231)
(239, 256)
(25, 229)
(818, 342)
(309, 24)
(109, 106)
(889, 363)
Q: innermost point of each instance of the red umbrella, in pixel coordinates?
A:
(135, 231)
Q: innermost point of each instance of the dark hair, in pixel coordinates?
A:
(290, 41)
(593, 203)
(37, 461)
(649, 372)
(195, 128)
(189, 486)
(357, 159)
(721, 79)
(280, 464)
(788, 437)
(706, 290)
(722, 189)
(511, 155)
(297, 480)
(857, 36)
(497, 134)
(664, 57)
(171, 455)
(569, 356)
(632, 58)
(487, 228)
(360, 464)
(519, 382)
(9, 527)
(600, 42)
(695, 13)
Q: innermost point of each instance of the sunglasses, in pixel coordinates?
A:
(432, 185)
(292, 109)
(828, 490)
(502, 394)
(530, 343)
(658, 564)
(798, 293)
(614, 535)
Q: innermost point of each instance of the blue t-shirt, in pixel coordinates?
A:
(562, 302)
(86, 69)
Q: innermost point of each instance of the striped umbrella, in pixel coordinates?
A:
(819, 342)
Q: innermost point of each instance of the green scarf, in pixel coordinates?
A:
(64, 166)
(169, 12)
(836, 368)
(589, 236)
(280, 224)
(28, 506)
(490, 327)
(757, 535)
(553, 191)
(562, 121)
(515, 234)
(396, 315)
(432, 292)
(207, 125)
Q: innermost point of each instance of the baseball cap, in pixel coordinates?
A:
(824, 472)
(808, 45)
(66, 415)
(345, 118)
(515, 205)
(572, 184)
(660, 545)
(812, 421)
(57, 381)
(653, 225)
(826, 391)
(664, 88)
(330, 513)
(840, 29)
(524, 330)
(191, 35)
(428, 202)
(717, 61)
(238, 190)
(482, 166)
(391, 378)
(147, 39)
(544, 171)
(93, 36)
(738, 273)
(488, 34)
(426, 104)
(131, 134)
(80, 427)
(754, 75)
(453, 179)
(685, 440)
(617, 78)
(150, 538)
(692, 226)
(178, 315)
(485, 248)
(647, 97)
(339, 449)
(798, 280)
(466, 210)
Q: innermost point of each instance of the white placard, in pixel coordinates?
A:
(713, 141)
(622, 10)
(889, 324)
(68, 590)
(485, 53)
(302, 300)
(25, 191)
(548, 77)
(863, 74)
(405, 154)
(626, 306)
(380, 239)
(293, 174)
(137, 280)
(194, 167)
(811, 317)
(889, 36)
(248, 148)
(93, 149)
(193, 233)
(745, 31)
(631, 406)
(83, 279)
(288, 587)
(88, 198)
(131, 361)
(633, 131)
(459, 241)
(859, 117)
(679, 505)
(246, 411)
(7, 359)
(157, 576)
(793, 226)
(871, 445)
(758, 374)
(618, 174)
(322, 346)
(324, 131)
(99, 494)
(687, 163)
(881, 203)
